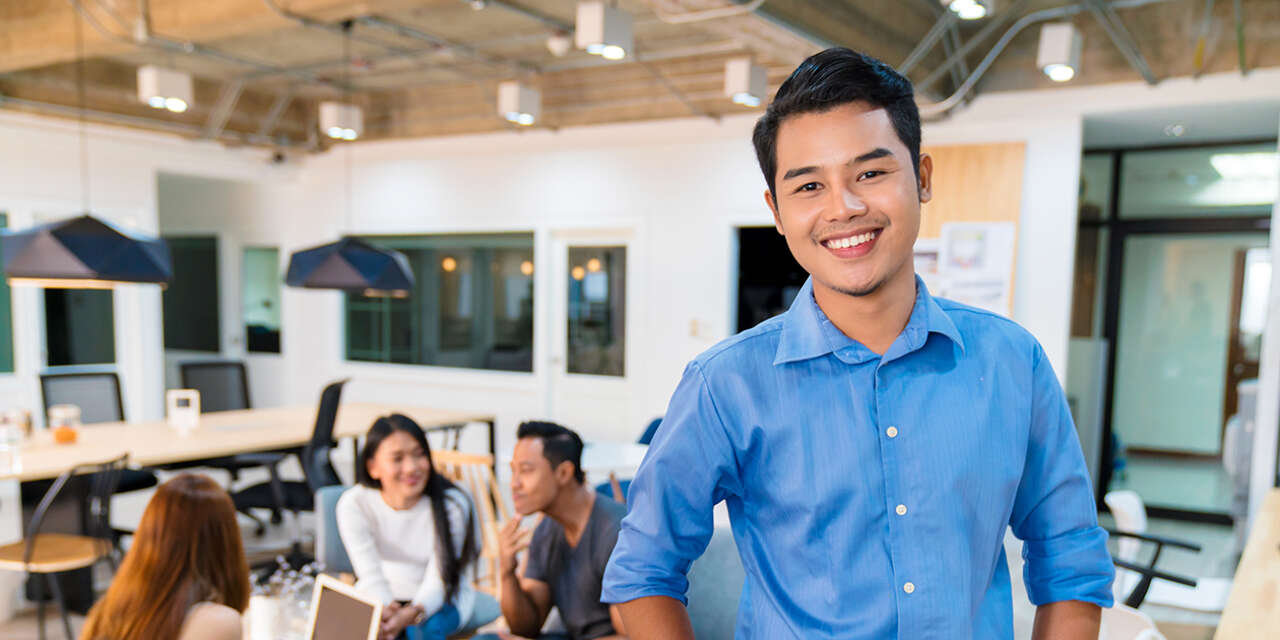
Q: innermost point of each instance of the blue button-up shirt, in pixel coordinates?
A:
(869, 494)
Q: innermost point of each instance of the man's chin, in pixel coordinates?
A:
(855, 289)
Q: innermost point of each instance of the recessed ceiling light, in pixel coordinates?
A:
(1175, 130)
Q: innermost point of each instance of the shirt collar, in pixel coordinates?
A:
(807, 333)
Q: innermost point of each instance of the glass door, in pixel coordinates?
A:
(590, 359)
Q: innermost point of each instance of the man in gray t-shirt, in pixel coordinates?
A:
(569, 549)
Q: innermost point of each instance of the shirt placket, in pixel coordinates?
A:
(908, 584)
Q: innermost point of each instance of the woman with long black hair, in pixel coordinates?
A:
(410, 534)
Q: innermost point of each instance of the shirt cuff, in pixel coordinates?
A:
(619, 595)
(1073, 566)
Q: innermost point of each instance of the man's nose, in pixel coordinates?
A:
(845, 204)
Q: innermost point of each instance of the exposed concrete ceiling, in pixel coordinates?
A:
(431, 67)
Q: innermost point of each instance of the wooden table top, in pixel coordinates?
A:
(1253, 608)
(219, 434)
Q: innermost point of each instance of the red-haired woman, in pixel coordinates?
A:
(185, 575)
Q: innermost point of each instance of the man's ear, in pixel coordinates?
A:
(925, 173)
(564, 473)
(772, 203)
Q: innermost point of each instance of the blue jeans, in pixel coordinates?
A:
(439, 626)
(545, 636)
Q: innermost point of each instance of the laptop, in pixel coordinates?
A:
(339, 612)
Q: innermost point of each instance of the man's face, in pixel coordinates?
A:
(534, 484)
(848, 199)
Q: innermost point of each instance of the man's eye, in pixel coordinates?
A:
(808, 186)
(867, 175)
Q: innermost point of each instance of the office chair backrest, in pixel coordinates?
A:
(316, 466)
(1131, 515)
(97, 394)
(650, 430)
(223, 385)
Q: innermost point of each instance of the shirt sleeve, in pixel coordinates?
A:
(430, 594)
(1054, 512)
(690, 466)
(356, 528)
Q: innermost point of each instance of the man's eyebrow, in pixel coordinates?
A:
(799, 172)
(874, 154)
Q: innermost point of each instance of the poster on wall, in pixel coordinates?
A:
(972, 263)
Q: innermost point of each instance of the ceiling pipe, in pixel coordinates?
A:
(1104, 12)
(680, 95)
(945, 106)
(700, 15)
(339, 31)
(949, 45)
(1202, 40)
(1244, 66)
(939, 29)
(987, 31)
(152, 41)
(406, 31)
(276, 112)
(537, 16)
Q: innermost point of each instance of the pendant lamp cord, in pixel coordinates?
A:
(346, 94)
(84, 134)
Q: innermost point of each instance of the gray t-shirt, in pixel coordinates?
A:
(575, 573)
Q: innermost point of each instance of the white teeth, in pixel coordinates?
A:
(853, 241)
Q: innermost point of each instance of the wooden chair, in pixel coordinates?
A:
(46, 554)
(474, 473)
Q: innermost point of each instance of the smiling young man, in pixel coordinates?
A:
(873, 443)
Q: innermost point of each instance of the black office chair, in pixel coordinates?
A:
(1148, 571)
(223, 386)
(317, 471)
(45, 555)
(98, 396)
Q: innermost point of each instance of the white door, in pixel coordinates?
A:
(591, 366)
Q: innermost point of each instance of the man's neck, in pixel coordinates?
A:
(572, 509)
(874, 320)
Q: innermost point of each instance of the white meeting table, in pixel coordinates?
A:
(225, 433)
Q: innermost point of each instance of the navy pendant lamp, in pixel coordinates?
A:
(352, 265)
(84, 253)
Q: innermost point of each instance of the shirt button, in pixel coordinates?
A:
(909, 588)
(901, 510)
(892, 432)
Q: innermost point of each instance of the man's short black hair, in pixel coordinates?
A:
(832, 78)
(559, 444)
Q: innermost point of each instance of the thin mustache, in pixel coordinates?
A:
(836, 231)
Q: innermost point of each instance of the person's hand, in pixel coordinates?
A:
(400, 619)
(389, 610)
(511, 540)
